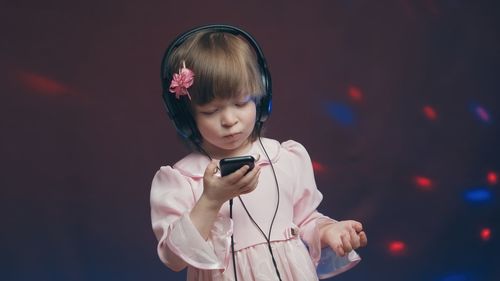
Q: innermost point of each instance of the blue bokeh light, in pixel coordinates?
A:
(478, 195)
(455, 277)
(341, 113)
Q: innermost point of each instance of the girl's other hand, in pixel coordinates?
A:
(220, 189)
(343, 236)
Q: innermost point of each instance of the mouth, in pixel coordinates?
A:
(232, 136)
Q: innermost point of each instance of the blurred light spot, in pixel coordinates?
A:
(485, 234)
(341, 113)
(479, 195)
(355, 93)
(492, 178)
(423, 183)
(318, 167)
(429, 112)
(41, 84)
(481, 113)
(397, 247)
(455, 277)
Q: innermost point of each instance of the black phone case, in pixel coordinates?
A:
(231, 164)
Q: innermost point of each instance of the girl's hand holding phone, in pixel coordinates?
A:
(220, 189)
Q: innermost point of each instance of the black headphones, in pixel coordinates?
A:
(179, 109)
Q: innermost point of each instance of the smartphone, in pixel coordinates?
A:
(232, 164)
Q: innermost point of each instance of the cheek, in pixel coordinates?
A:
(251, 113)
(203, 125)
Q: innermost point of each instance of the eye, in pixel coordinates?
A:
(208, 111)
(241, 104)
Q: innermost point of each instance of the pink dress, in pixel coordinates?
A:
(295, 236)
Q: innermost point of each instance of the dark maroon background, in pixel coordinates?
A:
(83, 129)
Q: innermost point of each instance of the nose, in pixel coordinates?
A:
(228, 118)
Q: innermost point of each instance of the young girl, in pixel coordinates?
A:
(217, 90)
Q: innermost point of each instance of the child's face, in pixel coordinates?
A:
(226, 125)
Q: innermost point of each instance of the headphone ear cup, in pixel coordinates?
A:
(264, 108)
(265, 105)
(177, 112)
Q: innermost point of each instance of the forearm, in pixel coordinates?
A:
(203, 215)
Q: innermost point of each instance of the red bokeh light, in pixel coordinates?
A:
(492, 178)
(355, 93)
(423, 182)
(318, 167)
(397, 247)
(485, 234)
(41, 84)
(430, 112)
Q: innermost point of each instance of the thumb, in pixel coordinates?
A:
(211, 169)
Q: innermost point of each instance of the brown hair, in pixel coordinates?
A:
(224, 66)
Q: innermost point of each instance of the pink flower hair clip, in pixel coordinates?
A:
(182, 81)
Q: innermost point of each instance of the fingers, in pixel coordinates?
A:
(344, 236)
(237, 175)
(211, 169)
(363, 240)
(241, 181)
(335, 242)
(250, 175)
(224, 188)
(346, 243)
(242, 176)
(249, 182)
(254, 180)
(339, 250)
(358, 227)
(354, 239)
(359, 236)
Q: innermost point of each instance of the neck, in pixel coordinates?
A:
(218, 153)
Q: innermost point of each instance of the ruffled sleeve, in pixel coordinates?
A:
(179, 242)
(306, 199)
